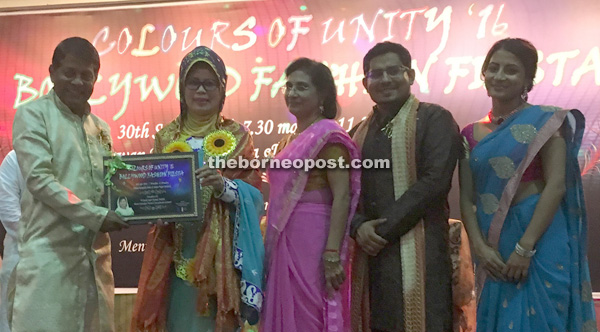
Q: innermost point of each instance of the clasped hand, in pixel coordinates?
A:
(368, 240)
(514, 270)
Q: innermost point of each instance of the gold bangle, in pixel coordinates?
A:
(332, 259)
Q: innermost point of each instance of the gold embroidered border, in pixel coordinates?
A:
(413, 243)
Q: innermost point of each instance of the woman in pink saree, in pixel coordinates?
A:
(309, 211)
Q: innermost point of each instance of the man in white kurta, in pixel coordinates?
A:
(63, 281)
(12, 186)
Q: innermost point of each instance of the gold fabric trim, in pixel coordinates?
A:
(413, 278)
(412, 244)
(360, 304)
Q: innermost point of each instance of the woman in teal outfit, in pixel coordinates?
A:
(522, 204)
(193, 277)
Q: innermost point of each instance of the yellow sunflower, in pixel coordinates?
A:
(177, 146)
(219, 143)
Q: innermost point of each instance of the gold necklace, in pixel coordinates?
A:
(296, 133)
(497, 120)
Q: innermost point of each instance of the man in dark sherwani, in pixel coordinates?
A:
(404, 275)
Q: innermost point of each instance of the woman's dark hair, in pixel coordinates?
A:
(321, 77)
(79, 48)
(522, 49)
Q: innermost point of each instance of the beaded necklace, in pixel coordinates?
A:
(497, 120)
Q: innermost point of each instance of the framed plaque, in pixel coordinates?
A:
(145, 188)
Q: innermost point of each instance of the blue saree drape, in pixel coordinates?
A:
(556, 296)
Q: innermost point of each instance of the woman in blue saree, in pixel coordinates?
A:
(522, 204)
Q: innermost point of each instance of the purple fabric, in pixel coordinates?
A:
(298, 226)
(467, 132)
(295, 287)
(532, 173)
(322, 196)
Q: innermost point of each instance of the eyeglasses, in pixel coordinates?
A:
(299, 88)
(208, 85)
(393, 71)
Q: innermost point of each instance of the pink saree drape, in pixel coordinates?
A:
(296, 298)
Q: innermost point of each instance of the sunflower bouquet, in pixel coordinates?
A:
(219, 144)
(177, 146)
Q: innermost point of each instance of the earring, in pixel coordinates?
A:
(321, 109)
(524, 94)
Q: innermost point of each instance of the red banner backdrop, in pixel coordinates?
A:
(141, 48)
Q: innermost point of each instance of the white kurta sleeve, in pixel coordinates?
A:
(34, 153)
(11, 188)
